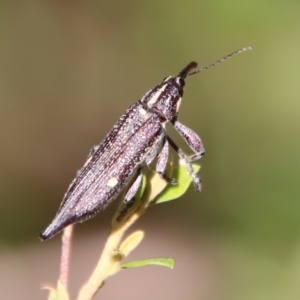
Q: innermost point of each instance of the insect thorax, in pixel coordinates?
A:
(164, 99)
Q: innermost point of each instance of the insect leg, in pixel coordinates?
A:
(162, 163)
(187, 162)
(192, 139)
(134, 187)
(129, 197)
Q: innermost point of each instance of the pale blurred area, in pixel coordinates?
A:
(69, 69)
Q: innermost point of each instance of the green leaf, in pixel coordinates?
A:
(131, 242)
(165, 262)
(184, 179)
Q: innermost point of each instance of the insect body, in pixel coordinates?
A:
(137, 139)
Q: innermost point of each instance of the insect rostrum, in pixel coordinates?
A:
(136, 139)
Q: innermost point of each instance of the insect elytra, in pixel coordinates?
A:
(138, 137)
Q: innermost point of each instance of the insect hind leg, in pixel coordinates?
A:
(131, 192)
(133, 189)
(162, 163)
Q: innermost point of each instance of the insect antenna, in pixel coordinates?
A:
(188, 67)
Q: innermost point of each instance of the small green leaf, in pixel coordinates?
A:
(183, 181)
(142, 189)
(131, 242)
(165, 262)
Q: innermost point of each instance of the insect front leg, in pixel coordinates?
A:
(192, 139)
(162, 163)
(195, 144)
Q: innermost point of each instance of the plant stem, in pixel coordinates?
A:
(65, 255)
(108, 264)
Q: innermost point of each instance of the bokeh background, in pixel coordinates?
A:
(69, 69)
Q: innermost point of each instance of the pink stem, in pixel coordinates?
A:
(65, 255)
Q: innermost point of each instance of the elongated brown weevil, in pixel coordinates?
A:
(136, 140)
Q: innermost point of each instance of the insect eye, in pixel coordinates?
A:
(181, 82)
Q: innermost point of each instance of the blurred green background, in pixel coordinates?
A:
(69, 69)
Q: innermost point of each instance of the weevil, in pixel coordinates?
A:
(138, 137)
